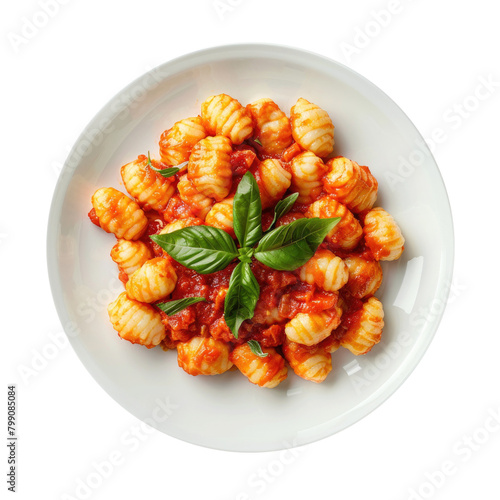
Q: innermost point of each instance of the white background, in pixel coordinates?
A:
(436, 437)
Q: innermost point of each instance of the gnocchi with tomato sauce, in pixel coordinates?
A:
(301, 317)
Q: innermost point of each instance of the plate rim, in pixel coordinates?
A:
(66, 175)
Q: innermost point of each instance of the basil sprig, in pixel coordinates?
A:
(166, 172)
(206, 249)
(174, 306)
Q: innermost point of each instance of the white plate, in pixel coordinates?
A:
(227, 412)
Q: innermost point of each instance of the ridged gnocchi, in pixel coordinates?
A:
(299, 317)
(382, 235)
(272, 126)
(118, 214)
(264, 372)
(130, 255)
(136, 322)
(223, 115)
(177, 142)
(273, 181)
(351, 184)
(365, 276)
(209, 167)
(150, 190)
(365, 328)
(199, 203)
(154, 280)
(221, 216)
(203, 356)
(348, 232)
(307, 176)
(311, 328)
(325, 270)
(312, 128)
(310, 363)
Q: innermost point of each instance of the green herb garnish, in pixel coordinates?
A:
(174, 306)
(257, 349)
(206, 249)
(282, 208)
(166, 172)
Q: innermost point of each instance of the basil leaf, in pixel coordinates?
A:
(247, 211)
(174, 306)
(282, 208)
(166, 172)
(241, 298)
(256, 349)
(204, 249)
(288, 247)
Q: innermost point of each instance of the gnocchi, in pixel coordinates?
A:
(348, 232)
(199, 204)
(311, 328)
(203, 356)
(365, 276)
(325, 270)
(221, 216)
(154, 280)
(312, 128)
(136, 322)
(301, 317)
(307, 176)
(209, 167)
(350, 184)
(150, 190)
(118, 214)
(268, 371)
(223, 115)
(272, 126)
(177, 142)
(382, 235)
(365, 328)
(130, 255)
(310, 363)
(273, 180)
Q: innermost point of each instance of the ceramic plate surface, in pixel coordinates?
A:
(227, 412)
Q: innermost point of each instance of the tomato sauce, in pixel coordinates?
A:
(281, 290)
(282, 294)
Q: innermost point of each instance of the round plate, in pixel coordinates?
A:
(227, 412)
